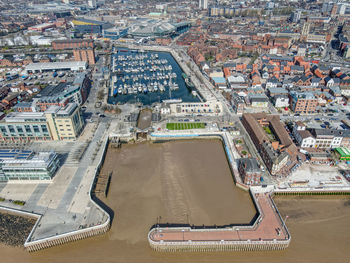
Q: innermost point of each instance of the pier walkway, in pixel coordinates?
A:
(267, 233)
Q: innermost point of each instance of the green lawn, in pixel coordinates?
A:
(185, 125)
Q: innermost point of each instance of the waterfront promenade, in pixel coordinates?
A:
(64, 208)
(267, 233)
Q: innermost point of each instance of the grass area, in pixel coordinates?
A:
(18, 202)
(2, 199)
(267, 130)
(185, 126)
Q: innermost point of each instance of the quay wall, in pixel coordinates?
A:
(313, 192)
(60, 239)
(208, 246)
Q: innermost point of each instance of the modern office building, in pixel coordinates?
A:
(56, 123)
(27, 165)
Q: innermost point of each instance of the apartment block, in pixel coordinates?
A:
(303, 102)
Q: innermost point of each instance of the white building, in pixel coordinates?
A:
(303, 136)
(195, 108)
(281, 101)
(92, 3)
(53, 66)
(203, 4)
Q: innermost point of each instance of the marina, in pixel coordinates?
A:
(148, 77)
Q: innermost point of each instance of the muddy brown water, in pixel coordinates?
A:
(190, 181)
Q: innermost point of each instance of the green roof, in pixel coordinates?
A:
(343, 151)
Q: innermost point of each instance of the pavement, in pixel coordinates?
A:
(64, 203)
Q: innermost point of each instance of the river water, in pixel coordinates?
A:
(189, 181)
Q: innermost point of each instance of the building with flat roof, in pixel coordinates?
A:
(62, 93)
(56, 123)
(54, 66)
(89, 26)
(303, 102)
(196, 108)
(27, 165)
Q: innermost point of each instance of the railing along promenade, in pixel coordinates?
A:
(267, 233)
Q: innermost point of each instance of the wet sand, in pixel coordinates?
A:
(176, 179)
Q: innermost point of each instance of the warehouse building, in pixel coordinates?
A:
(56, 66)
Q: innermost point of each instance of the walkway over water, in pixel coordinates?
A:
(267, 233)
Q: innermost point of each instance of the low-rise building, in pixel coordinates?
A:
(196, 108)
(280, 101)
(54, 66)
(271, 139)
(27, 165)
(249, 171)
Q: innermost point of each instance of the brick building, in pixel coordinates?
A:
(87, 55)
(72, 44)
(303, 103)
(249, 171)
